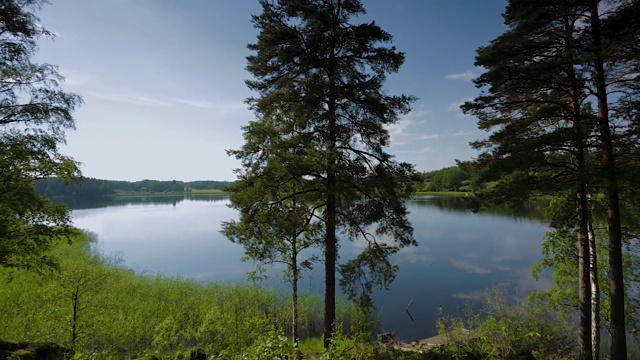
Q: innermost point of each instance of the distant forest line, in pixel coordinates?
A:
(90, 187)
(452, 178)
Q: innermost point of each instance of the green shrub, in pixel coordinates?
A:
(503, 328)
(271, 345)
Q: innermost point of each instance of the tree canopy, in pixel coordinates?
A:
(35, 114)
(321, 106)
(546, 99)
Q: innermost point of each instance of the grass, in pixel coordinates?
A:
(633, 348)
(312, 346)
(206, 192)
(138, 193)
(140, 314)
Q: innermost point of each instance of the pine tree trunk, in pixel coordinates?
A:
(595, 294)
(294, 299)
(330, 270)
(584, 288)
(582, 207)
(330, 251)
(74, 321)
(618, 333)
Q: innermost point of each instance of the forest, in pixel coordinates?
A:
(447, 179)
(90, 187)
(558, 95)
(453, 178)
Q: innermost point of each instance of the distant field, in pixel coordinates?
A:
(206, 191)
(146, 193)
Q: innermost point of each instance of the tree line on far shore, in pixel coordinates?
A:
(91, 187)
(453, 178)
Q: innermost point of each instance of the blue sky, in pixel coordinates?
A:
(163, 80)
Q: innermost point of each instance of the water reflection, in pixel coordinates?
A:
(76, 203)
(529, 211)
(459, 254)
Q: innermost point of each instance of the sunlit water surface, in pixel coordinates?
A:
(460, 254)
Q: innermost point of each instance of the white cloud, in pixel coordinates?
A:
(426, 149)
(195, 103)
(145, 100)
(469, 267)
(129, 97)
(453, 107)
(74, 78)
(221, 105)
(428, 136)
(467, 133)
(466, 75)
(471, 295)
(399, 127)
(407, 130)
(133, 99)
(413, 255)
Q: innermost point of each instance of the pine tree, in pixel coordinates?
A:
(276, 220)
(612, 39)
(600, 47)
(534, 103)
(314, 65)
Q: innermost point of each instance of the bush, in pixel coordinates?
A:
(503, 328)
(271, 345)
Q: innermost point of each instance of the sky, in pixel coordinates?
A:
(163, 81)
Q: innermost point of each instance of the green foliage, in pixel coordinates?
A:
(384, 352)
(544, 75)
(559, 254)
(453, 178)
(312, 346)
(270, 345)
(321, 124)
(123, 315)
(35, 114)
(83, 187)
(534, 105)
(354, 347)
(273, 231)
(506, 327)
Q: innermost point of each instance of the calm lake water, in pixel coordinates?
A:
(460, 254)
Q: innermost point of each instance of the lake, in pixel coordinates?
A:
(460, 254)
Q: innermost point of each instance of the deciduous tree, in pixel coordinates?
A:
(35, 114)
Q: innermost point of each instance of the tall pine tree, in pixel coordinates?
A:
(534, 102)
(612, 38)
(598, 41)
(327, 73)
